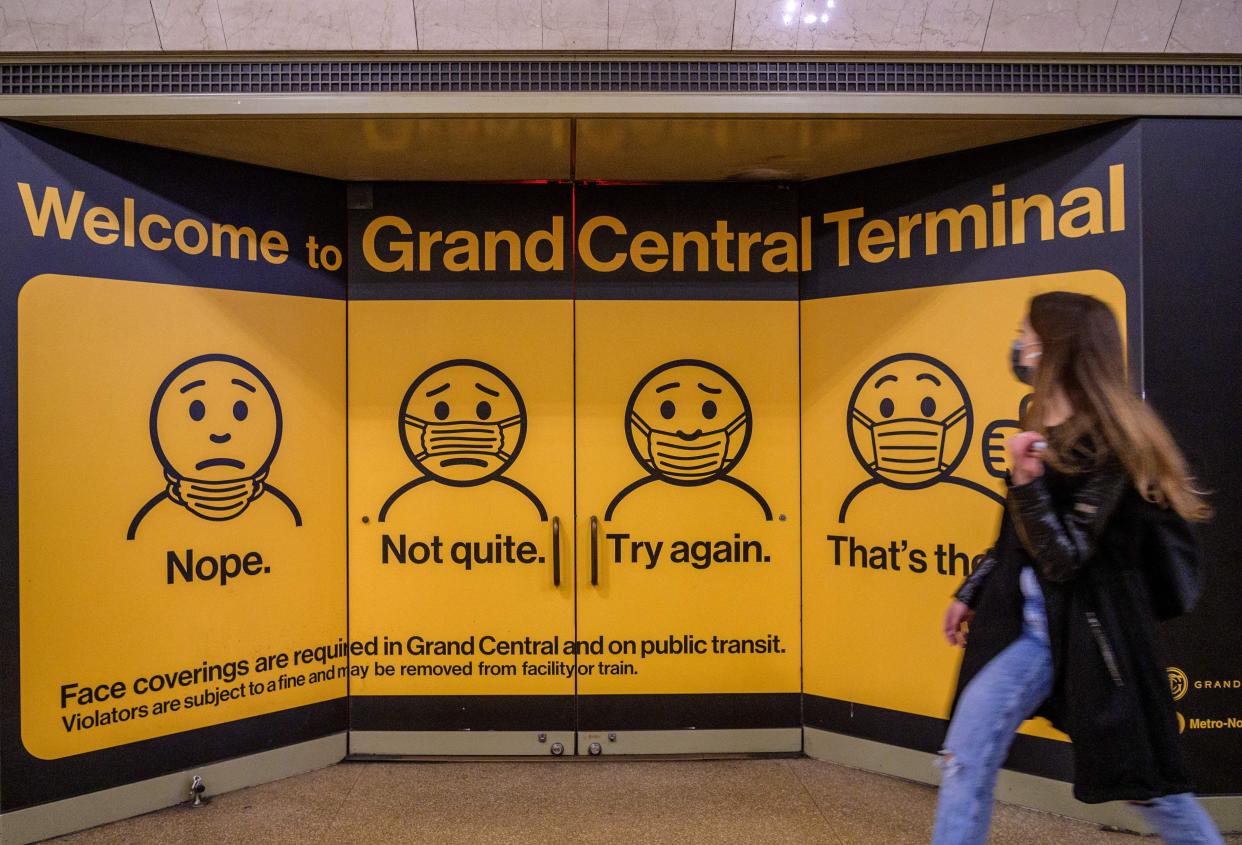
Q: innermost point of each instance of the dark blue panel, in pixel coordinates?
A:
(1192, 289)
(700, 208)
(1050, 165)
(176, 186)
(437, 209)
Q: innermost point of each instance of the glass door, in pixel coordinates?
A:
(687, 484)
(461, 587)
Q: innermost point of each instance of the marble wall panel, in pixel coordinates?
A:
(80, 25)
(670, 24)
(318, 24)
(766, 24)
(893, 24)
(15, 34)
(480, 24)
(1049, 26)
(575, 24)
(1000, 26)
(1207, 26)
(189, 24)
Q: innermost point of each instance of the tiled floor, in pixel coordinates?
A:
(750, 802)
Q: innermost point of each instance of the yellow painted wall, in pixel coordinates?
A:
(875, 597)
(109, 618)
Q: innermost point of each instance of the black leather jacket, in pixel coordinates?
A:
(1060, 543)
(1087, 536)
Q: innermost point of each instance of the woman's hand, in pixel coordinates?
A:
(1026, 457)
(955, 622)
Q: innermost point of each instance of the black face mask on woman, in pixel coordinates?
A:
(1024, 373)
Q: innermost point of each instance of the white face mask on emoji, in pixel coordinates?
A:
(216, 426)
(468, 437)
(215, 500)
(908, 448)
(687, 457)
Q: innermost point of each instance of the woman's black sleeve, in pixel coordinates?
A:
(1062, 543)
(972, 588)
(968, 594)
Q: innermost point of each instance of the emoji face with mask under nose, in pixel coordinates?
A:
(688, 422)
(909, 420)
(462, 422)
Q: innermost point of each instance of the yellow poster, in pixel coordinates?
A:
(908, 400)
(181, 485)
(461, 497)
(688, 504)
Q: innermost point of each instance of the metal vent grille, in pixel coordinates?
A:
(910, 77)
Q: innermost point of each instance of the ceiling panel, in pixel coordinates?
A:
(795, 149)
(623, 148)
(361, 148)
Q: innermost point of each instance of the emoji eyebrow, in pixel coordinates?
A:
(707, 389)
(928, 377)
(439, 389)
(668, 386)
(241, 383)
(884, 379)
(192, 385)
(486, 390)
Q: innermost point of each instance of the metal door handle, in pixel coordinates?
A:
(556, 551)
(595, 551)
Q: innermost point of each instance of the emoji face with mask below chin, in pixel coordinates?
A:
(909, 420)
(688, 422)
(462, 422)
(215, 419)
(215, 427)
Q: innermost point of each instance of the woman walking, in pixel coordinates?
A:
(1060, 615)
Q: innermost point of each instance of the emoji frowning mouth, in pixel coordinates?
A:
(220, 462)
(472, 462)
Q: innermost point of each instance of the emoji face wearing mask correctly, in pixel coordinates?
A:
(462, 422)
(688, 422)
(216, 426)
(909, 420)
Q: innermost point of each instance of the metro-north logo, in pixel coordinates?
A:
(1178, 683)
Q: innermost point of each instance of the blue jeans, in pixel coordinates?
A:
(1005, 693)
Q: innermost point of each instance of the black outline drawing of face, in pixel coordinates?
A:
(924, 392)
(448, 421)
(692, 401)
(216, 418)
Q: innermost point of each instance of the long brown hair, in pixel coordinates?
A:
(1082, 355)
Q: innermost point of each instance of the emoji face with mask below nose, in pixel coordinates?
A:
(909, 420)
(462, 422)
(688, 422)
(215, 426)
